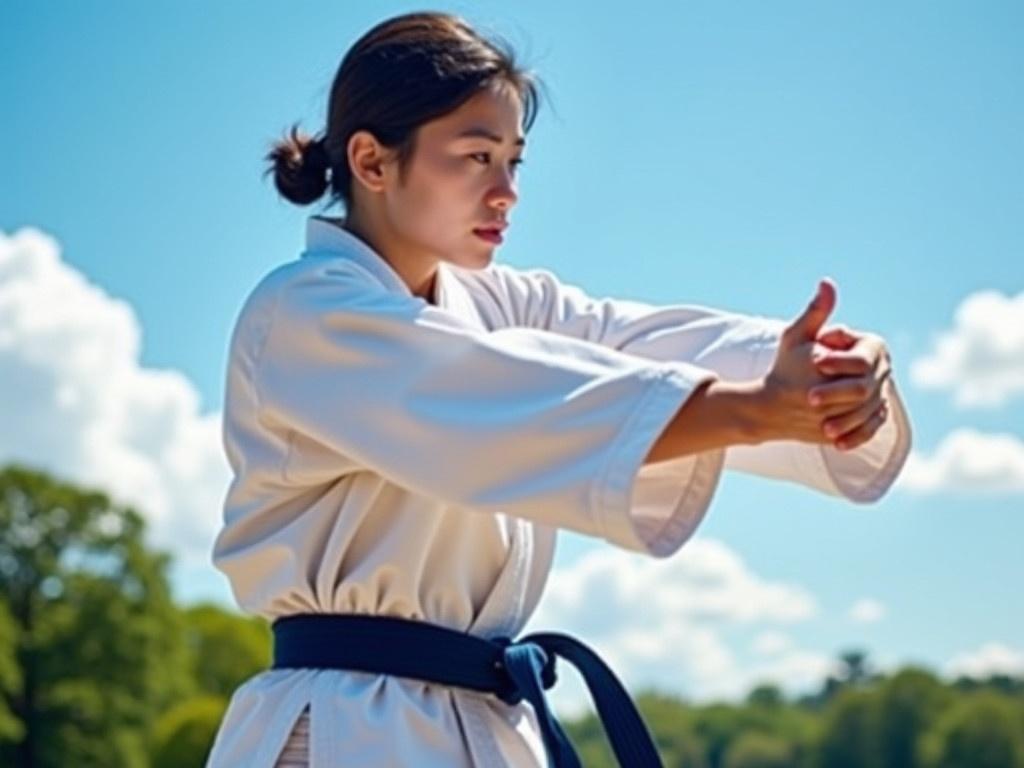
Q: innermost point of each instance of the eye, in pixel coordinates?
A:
(517, 161)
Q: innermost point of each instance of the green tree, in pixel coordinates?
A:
(588, 738)
(981, 730)
(909, 702)
(768, 714)
(225, 648)
(718, 725)
(671, 723)
(759, 750)
(766, 695)
(856, 670)
(855, 673)
(849, 737)
(185, 733)
(999, 681)
(669, 720)
(98, 641)
(11, 729)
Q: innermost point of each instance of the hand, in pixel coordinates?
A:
(851, 404)
(784, 411)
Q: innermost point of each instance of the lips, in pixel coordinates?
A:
(491, 232)
(490, 235)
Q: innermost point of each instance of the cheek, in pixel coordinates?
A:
(438, 205)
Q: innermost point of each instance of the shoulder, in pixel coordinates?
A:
(309, 291)
(315, 284)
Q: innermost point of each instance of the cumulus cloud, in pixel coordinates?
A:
(75, 401)
(866, 611)
(968, 460)
(981, 359)
(661, 623)
(989, 659)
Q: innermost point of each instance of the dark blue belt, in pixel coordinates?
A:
(512, 670)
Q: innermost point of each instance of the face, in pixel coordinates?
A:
(462, 176)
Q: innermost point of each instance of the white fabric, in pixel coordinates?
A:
(401, 458)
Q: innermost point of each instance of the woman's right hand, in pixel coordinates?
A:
(785, 411)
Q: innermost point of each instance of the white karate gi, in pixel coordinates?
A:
(393, 457)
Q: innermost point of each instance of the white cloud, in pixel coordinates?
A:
(661, 623)
(771, 642)
(968, 460)
(989, 659)
(75, 401)
(982, 358)
(866, 611)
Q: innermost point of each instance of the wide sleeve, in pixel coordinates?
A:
(518, 420)
(734, 345)
(861, 475)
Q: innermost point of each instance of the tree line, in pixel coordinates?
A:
(100, 667)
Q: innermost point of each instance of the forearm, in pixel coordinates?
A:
(716, 415)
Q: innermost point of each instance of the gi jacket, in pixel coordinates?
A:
(400, 458)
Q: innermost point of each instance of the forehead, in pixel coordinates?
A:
(497, 110)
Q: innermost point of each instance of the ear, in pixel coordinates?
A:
(367, 158)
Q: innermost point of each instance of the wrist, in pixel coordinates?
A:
(742, 405)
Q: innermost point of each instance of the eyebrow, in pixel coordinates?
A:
(483, 133)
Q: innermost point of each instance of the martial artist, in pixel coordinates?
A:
(410, 423)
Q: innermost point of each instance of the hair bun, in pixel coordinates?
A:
(316, 156)
(300, 164)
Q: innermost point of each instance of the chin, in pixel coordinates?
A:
(477, 259)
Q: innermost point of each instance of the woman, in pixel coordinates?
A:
(410, 423)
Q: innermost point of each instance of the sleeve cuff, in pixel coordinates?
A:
(864, 474)
(656, 508)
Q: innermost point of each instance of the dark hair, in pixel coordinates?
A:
(405, 71)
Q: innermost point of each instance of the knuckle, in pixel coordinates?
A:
(827, 402)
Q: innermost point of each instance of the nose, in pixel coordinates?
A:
(503, 195)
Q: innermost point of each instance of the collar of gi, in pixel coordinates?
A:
(326, 236)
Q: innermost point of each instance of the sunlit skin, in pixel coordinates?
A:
(454, 184)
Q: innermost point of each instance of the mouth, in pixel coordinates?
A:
(490, 235)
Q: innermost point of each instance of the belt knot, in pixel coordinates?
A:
(526, 664)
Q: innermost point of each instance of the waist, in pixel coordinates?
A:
(513, 670)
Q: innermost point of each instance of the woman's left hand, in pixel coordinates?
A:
(852, 404)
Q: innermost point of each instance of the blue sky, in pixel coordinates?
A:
(726, 154)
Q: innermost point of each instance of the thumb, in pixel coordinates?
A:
(809, 323)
